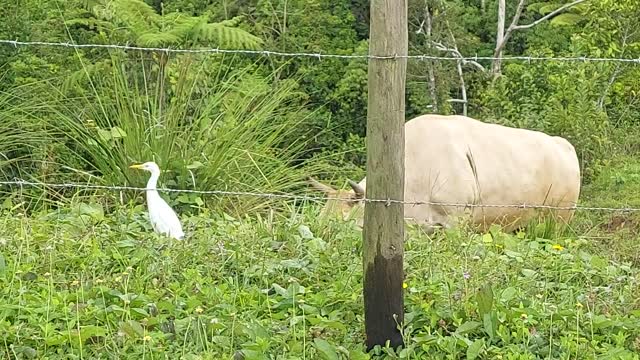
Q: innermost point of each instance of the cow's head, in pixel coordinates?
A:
(345, 203)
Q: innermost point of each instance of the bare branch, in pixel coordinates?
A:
(502, 11)
(432, 75)
(461, 61)
(549, 15)
(514, 23)
(502, 36)
(456, 53)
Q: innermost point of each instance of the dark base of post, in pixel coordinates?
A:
(379, 307)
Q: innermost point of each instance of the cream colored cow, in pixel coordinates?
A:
(457, 159)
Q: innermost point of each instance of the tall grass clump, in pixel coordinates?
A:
(209, 128)
(25, 138)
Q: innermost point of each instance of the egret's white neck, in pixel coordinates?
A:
(153, 180)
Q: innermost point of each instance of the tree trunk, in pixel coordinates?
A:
(463, 88)
(497, 63)
(432, 76)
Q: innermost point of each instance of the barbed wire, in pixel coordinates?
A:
(421, 57)
(21, 183)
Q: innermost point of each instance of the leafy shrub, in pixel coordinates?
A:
(24, 138)
(233, 132)
(559, 99)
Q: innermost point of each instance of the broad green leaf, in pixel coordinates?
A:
(467, 327)
(280, 290)
(249, 354)
(490, 322)
(105, 135)
(326, 350)
(90, 331)
(508, 294)
(132, 328)
(358, 355)
(57, 339)
(305, 232)
(484, 298)
(94, 210)
(473, 351)
(529, 273)
(566, 19)
(117, 132)
(28, 352)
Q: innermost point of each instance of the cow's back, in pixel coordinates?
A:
(456, 159)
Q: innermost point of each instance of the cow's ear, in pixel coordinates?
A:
(320, 186)
(357, 188)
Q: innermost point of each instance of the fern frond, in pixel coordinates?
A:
(149, 28)
(233, 22)
(156, 39)
(185, 27)
(134, 14)
(91, 23)
(136, 7)
(229, 37)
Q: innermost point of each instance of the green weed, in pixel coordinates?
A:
(82, 283)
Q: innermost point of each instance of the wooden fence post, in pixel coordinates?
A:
(383, 231)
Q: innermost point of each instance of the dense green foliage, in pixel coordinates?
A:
(79, 282)
(81, 274)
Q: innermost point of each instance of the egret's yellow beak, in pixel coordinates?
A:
(136, 166)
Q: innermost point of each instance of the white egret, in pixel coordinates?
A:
(163, 219)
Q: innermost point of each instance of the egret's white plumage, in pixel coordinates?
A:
(163, 219)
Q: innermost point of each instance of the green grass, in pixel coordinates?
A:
(617, 185)
(207, 127)
(78, 283)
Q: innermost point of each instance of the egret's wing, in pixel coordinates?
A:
(163, 218)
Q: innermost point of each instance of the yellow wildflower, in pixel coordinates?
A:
(557, 247)
(404, 285)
